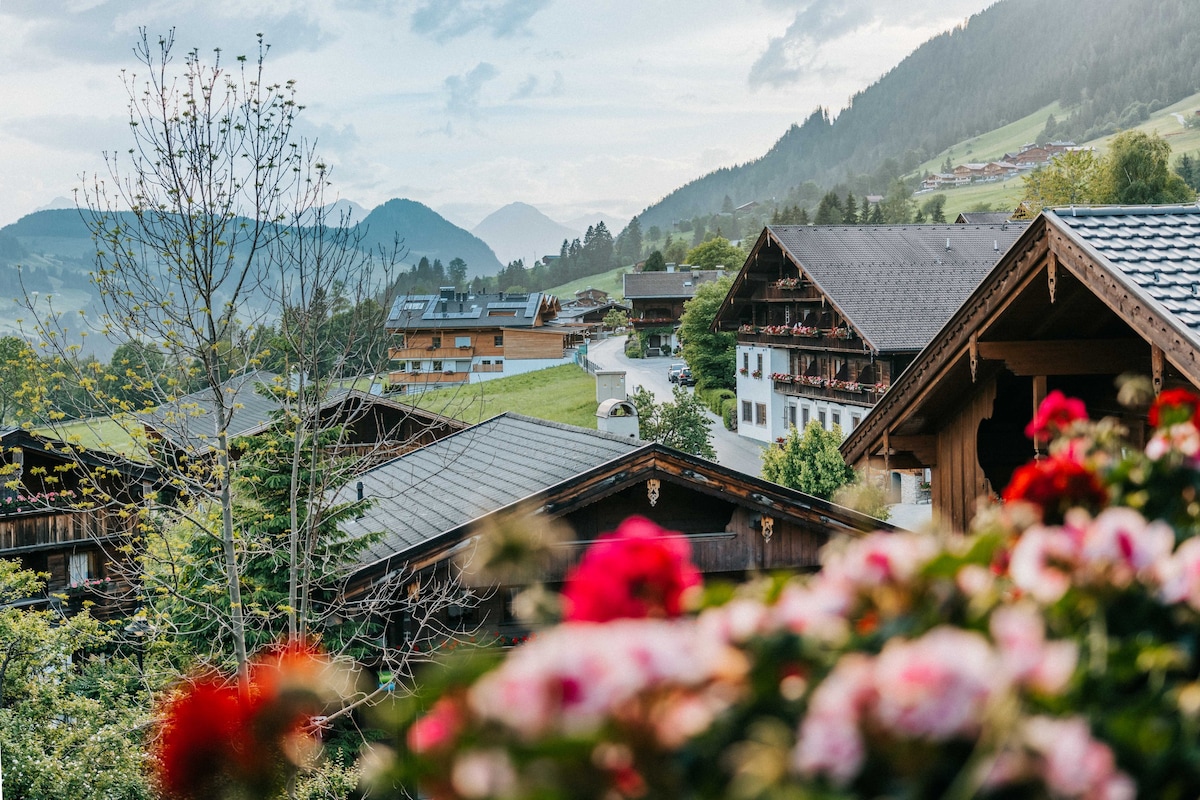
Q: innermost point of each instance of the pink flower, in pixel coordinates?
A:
(638, 571)
(1120, 545)
(1073, 764)
(1020, 636)
(1055, 415)
(1179, 576)
(816, 610)
(1041, 563)
(437, 729)
(877, 559)
(1182, 438)
(936, 687)
(829, 742)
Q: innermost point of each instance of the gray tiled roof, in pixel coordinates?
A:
(984, 217)
(1157, 248)
(464, 310)
(897, 285)
(188, 421)
(449, 483)
(668, 284)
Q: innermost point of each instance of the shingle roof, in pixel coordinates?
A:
(897, 285)
(188, 422)
(1156, 247)
(463, 310)
(667, 284)
(462, 477)
(984, 217)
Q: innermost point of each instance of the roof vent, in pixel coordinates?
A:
(996, 245)
(947, 242)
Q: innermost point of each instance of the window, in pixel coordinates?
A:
(821, 419)
(760, 363)
(462, 341)
(437, 366)
(399, 366)
(397, 340)
(79, 568)
(804, 417)
(498, 340)
(787, 315)
(499, 362)
(436, 341)
(745, 362)
(792, 416)
(837, 418)
(415, 366)
(854, 420)
(747, 411)
(760, 413)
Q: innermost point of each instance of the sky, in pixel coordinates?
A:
(466, 105)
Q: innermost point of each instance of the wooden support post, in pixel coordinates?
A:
(1156, 368)
(887, 456)
(1052, 274)
(973, 346)
(1039, 394)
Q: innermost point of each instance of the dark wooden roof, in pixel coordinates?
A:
(667, 285)
(895, 285)
(427, 500)
(1118, 272)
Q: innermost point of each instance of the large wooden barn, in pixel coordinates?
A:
(1084, 296)
(431, 504)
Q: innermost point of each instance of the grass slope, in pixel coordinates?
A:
(607, 281)
(560, 394)
(1005, 195)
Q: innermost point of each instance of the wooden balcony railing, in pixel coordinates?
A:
(800, 293)
(865, 396)
(852, 344)
(34, 530)
(487, 368)
(437, 353)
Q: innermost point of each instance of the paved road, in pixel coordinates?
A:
(733, 451)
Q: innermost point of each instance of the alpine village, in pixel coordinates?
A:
(868, 467)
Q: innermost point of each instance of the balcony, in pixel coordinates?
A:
(825, 389)
(396, 378)
(776, 292)
(436, 353)
(487, 368)
(838, 339)
(41, 529)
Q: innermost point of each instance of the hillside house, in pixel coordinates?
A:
(827, 316)
(656, 302)
(1083, 296)
(454, 337)
(65, 512)
(432, 504)
(374, 427)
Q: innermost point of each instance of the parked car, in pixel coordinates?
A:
(685, 377)
(674, 369)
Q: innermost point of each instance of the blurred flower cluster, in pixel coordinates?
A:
(1051, 652)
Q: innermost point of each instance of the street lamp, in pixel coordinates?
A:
(139, 629)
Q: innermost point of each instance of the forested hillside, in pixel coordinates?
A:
(1108, 62)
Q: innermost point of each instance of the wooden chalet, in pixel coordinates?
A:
(453, 337)
(374, 428)
(431, 504)
(1085, 295)
(827, 316)
(656, 302)
(65, 511)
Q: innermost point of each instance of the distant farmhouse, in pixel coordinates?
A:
(1083, 296)
(827, 317)
(656, 302)
(446, 338)
(1029, 157)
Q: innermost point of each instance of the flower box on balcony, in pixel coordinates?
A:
(747, 329)
(806, 331)
(782, 377)
(787, 283)
(756, 374)
(839, 333)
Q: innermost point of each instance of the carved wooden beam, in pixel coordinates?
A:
(1068, 357)
(1157, 362)
(1052, 274)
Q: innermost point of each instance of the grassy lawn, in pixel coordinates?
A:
(559, 394)
(606, 281)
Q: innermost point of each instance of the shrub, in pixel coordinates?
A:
(729, 414)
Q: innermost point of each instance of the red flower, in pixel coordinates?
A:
(638, 571)
(1173, 407)
(436, 729)
(1055, 484)
(205, 736)
(212, 740)
(1054, 415)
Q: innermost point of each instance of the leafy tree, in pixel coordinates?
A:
(864, 495)
(1137, 170)
(655, 263)
(711, 355)
(716, 253)
(809, 462)
(897, 207)
(457, 272)
(616, 318)
(18, 375)
(680, 423)
(1073, 178)
(675, 252)
(935, 208)
(629, 242)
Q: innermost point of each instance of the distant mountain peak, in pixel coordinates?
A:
(520, 230)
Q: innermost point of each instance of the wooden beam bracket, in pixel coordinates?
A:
(973, 346)
(1052, 274)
